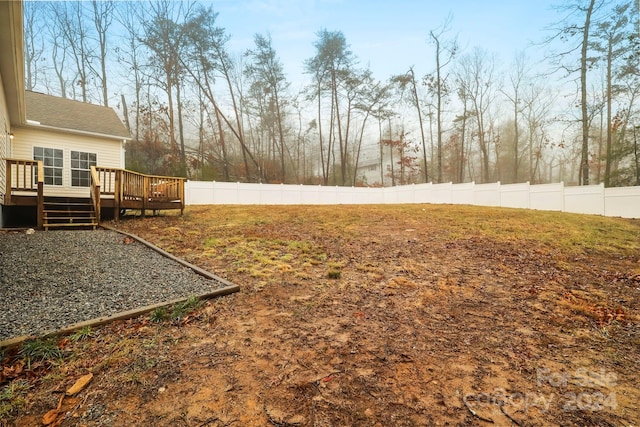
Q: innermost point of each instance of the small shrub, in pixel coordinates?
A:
(160, 314)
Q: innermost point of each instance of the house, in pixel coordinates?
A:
(62, 161)
(69, 137)
(369, 172)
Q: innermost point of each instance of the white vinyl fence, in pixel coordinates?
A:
(593, 199)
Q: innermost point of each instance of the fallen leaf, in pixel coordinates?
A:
(12, 371)
(60, 403)
(50, 417)
(80, 384)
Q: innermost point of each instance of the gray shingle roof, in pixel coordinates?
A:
(73, 115)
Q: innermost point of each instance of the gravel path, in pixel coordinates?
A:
(49, 280)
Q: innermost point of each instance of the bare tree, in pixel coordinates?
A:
(103, 13)
(129, 55)
(537, 103)
(408, 88)
(59, 55)
(611, 39)
(267, 78)
(71, 22)
(207, 59)
(516, 78)
(446, 51)
(34, 16)
(374, 96)
(165, 38)
(330, 66)
(575, 29)
(476, 80)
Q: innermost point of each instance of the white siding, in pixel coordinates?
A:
(108, 151)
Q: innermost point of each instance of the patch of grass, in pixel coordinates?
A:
(184, 308)
(334, 274)
(177, 311)
(158, 315)
(214, 242)
(335, 269)
(572, 233)
(41, 350)
(82, 334)
(13, 397)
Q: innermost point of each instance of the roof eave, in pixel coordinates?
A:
(75, 131)
(12, 65)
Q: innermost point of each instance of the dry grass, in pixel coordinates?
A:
(368, 315)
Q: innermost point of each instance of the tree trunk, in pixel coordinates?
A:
(183, 154)
(607, 167)
(281, 135)
(341, 142)
(462, 148)
(420, 124)
(225, 159)
(172, 129)
(439, 110)
(584, 160)
(325, 166)
(516, 139)
(636, 154)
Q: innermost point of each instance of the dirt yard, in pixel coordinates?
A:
(366, 316)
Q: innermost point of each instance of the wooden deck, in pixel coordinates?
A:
(111, 188)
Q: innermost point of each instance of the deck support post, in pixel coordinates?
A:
(181, 196)
(145, 194)
(7, 194)
(40, 214)
(117, 195)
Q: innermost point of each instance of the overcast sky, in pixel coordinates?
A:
(388, 35)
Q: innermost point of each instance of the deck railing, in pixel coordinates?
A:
(136, 189)
(126, 189)
(25, 176)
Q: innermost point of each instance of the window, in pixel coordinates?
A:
(52, 160)
(81, 168)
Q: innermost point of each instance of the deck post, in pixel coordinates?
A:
(95, 193)
(40, 214)
(7, 194)
(145, 194)
(181, 195)
(117, 193)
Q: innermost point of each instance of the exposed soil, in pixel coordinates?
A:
(373, 316)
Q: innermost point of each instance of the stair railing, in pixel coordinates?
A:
(26, 176)
(95, 192)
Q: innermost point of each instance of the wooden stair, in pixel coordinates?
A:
(69, 213)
